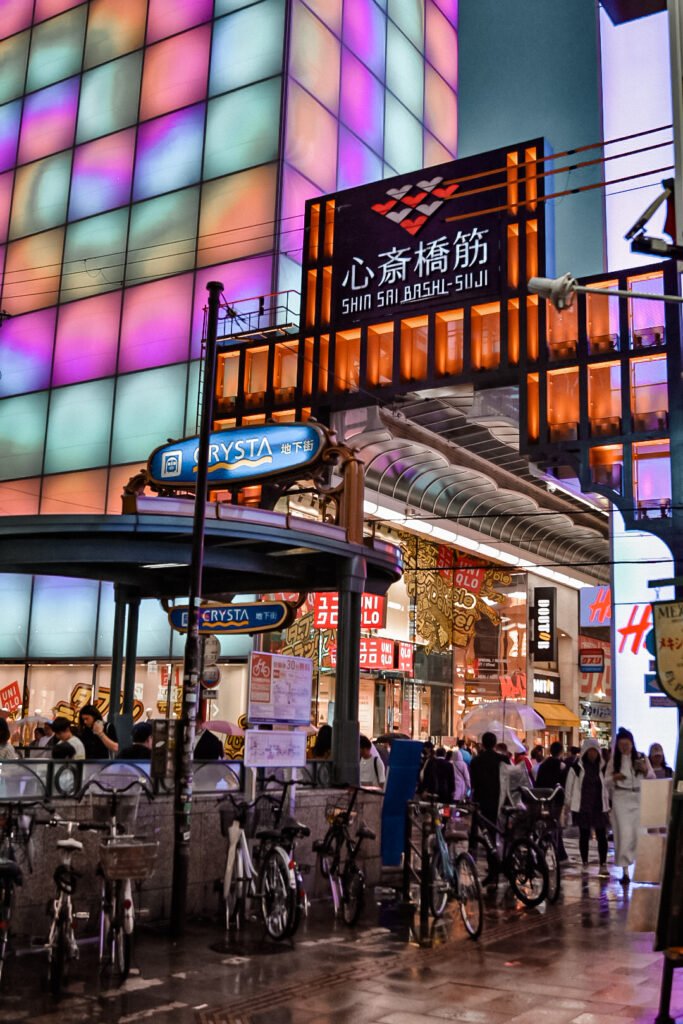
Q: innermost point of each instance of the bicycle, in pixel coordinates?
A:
(278, 887)
(452, 873)
(521, 860)
(544, 829)
(15, 833)
(337, 853)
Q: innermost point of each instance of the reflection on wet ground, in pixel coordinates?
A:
(572, 963)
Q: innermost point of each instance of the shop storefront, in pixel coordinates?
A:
(595, 664)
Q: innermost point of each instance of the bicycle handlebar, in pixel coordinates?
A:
(546, 798)
(115, 791)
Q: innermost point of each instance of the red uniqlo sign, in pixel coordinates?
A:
(10, 697)
(326, 611)
(467, 574)
(376, 652)
(404, 657)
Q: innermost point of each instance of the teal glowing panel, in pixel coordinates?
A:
(41, 191)
(362, 103)
(166, 17)
(357, 163)
(15, 601)
(402, 137)
(27, 352)
(155, 327)
(10, 119)
(87, 339)
(162, 233)
(102, 174)
(405, 71)
(409, 16)
(56, 49)
(150, 408)
(13, 58)
(242, 129)
(154, 631)
(22, 435)
(94, 255)
(247, 46)
(79, 426)
(169, 152)
(63, 618)
(48, 123)
(365, 33)
(109, 98)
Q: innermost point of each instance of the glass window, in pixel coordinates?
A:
(154, 631)
(79, 425)
(441, 109)
(32, 272)
(109, 98)
(365, 33)
(435, 151)
(449, 334)
(295, 191)
(175, 72)
(230, 208)
(314, 57)
(563, 405)
(247, 46)
(649, 393)
(563, 331)
(604, 398)
(20, 498)
(13, 57)
(56, 49)
(311, 144)
(87, 337)
(166, 17)
(93, 255)
(606, 465)
(27, 352)
(347, 360)
(652, 479)
(114, 29)
(285, 369)
(357, 163)
(228, 374)
(533, 407)
(49, 8)
(49, 121)
(22, 435)
(410, 19)
(380, 354)
(441, 45)
(256, 370)
(329, 11)
(118, 478)
(242, 129)
(102, 173)
(414, 348)
(149, 408)
(169, 153)
(41, 191)
(10, 118)
(405, 71)
(6, 183)
(192, 403)
(156, 323)
(63, 617)
(15, 16)
(645, 316)
(486, 336)
(15, 601)
(602, 319)
(162, 233)
(402, 138)
(77, 493)
(362, 102)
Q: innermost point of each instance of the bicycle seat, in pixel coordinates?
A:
(269, 833)
(319, 846)
(11, 870)
(69, 844)
(364, 832)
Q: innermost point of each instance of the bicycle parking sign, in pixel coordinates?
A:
(279, 689)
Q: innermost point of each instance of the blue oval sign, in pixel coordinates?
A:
(239, 455)
(227, 619)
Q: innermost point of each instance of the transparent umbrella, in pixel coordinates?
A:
(503, 734)
(510, 713)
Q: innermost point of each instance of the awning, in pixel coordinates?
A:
(556, 714)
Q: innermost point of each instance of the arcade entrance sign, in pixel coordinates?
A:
(231, 619)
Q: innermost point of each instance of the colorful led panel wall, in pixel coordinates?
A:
(146, 148)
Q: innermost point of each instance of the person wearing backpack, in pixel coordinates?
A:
(372, 771)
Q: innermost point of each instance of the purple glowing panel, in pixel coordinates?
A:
(365, 33)
(357, 163)
(10, 116)
(102, 174)
(5, 202)
(362, 102)
(242, 279)
(49, 121)
(295, 191)
(166, 17)
(450, 9)
(27, 352)
(169, 153)
(87, 338)
(156, 324)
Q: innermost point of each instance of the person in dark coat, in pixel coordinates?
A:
(485, 780)
(553, 772)
(439, 777)
(208, 747)
(140, 748)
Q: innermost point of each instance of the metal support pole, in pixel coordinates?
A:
(407, 853)
(664, 1014)
(346, 731)
(117, 652)
(425, 829)
(124, 721)
(192, 666)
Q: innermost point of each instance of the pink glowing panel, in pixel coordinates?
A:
(243, 279)
(329, 11)
(365, 33)
(435, 152)
(362, 102)
(311, 144)
(102, 174)
(73, 493)
(14, 16)
(441, 110)
(175, 72)
(5, 201)
(156, 324)
(10, 116)
(166, 17)
(357, 163)
(295, 191)
(169, 152)
(87, 337)
(442, 45)
(49, 120)
(450, 9)
(48, 8)
(27, 352)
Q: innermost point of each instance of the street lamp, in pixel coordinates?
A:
(560, 291)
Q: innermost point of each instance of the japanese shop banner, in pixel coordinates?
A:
(668, 627)
(326, 611)
(10, 696)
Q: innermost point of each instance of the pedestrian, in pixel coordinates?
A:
(7, 751)
(587, 798)
(439, 777)
(140, 748)
(372, 772)
(98, 739)
(572, 757)
(485, 778)
(552, 772)
(657, 759)
(48, 737)
(522, 757)
(64, 733)
(207, 746)
(466, 753)
(625, 772)
(462, 775)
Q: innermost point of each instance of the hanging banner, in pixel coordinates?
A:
(223, 619)
(543, 625)
(668, 627)
(326, 611)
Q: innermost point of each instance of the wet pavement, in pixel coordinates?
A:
(572, 963)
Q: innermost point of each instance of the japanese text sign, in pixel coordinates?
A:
(326, 611)
(279, 689)
(10, 696)
(404, 657)
(668, 627)
(274, 749)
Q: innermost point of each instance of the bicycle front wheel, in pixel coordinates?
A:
(438, 884)
(6, 895)
(353, 887)
(469, 894)
(527, 871)
(59, 957)
(552, 863)
(278, 897)
(121, 939)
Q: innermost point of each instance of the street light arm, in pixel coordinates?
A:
(561, 290)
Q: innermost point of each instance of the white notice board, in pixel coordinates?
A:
(279, 689)
(274, 749)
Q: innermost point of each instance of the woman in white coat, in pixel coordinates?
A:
(587, 798)
(625, 772)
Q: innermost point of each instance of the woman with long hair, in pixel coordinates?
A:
(587, 799)
(625, 772)
(98, 739)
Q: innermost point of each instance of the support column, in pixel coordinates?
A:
(117, 652)
(124, 721)
(345, 732)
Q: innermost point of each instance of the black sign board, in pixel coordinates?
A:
(546, 687)
(543, 627)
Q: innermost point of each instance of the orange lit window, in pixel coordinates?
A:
(284, 416)
(652, 479)
(253, 421)
(646, 316)
(512, 181)
(308, 367)
(324, 363)
(513, 255)
(606, 465)
(414, 348)
(225, 424)
(604, 399)
(255, 370)
(563, 404)
(533, 407)
(449, 334)
(380, 354)
(486, 336)
(532, 328)
(228, 373)
(327, 295)
(285, 368)
(347, 360)
(329, 228)
(313, 246)
(311, 286)
(602, 320)
(563, 332)
(531, 176)
(513, 332)
(649, 393)
(531, 249)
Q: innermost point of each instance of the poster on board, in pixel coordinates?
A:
(279, 689)
(668, 623)
(274, 749)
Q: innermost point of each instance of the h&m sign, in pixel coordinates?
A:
(543, 624)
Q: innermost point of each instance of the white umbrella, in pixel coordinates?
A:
(226, 728)
(504, 734)
(35, 719)
(508, 712)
